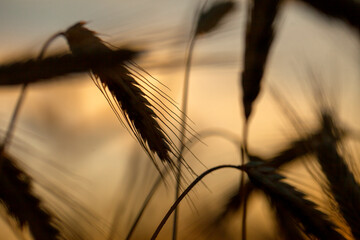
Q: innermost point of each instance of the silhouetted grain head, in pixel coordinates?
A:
(287, 226)
(129, 98)
(259, 37)
(83, 41)
(29, 70)
(133, 102)
(345, 10)
(341, 183)
(208, 20)
(295, 150)
(305, 212)
(16, 195)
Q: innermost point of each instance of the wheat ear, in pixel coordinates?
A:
(259, 37)
(30, 70)
(295, 150)
(16, 194)
(346, 10)
(130, 99)
(258, 40)
(209, 19)
(341, 182)
(313, 221)
(287, 225)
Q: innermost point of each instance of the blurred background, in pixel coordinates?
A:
(91, 170)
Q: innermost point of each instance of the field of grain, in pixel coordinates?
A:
(215, 119)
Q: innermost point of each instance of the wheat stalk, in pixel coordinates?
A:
(185, 192)
(312, 221)
(207, 22)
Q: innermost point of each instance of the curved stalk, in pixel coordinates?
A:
(21, 98)
(186, 191)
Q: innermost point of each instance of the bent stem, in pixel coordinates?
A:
(13, 119)
(186, 191)
(215, 132)
(21, 99)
